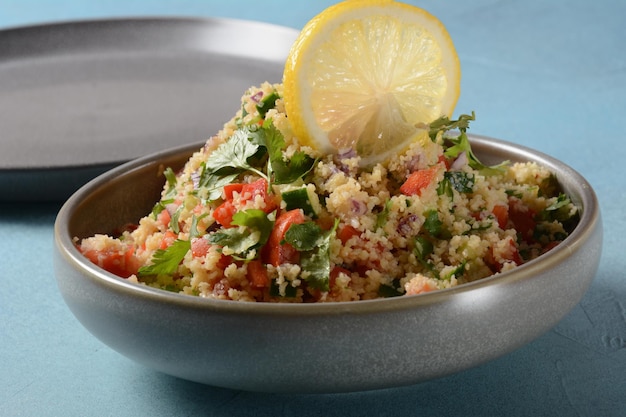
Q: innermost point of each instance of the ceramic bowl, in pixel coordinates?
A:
(328, 347)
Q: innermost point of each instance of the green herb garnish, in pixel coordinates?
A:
(166, 261)
(254, 231)
(314, 246)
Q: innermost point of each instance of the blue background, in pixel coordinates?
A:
(547, 74)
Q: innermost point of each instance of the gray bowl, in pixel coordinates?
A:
(331, 347)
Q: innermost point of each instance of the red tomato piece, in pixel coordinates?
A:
(259, 188)
(230, 189)
(168, 239)
(224, 261)
(122, 264)
(523, 218)
(199, 247)
(419, 180)
(164, 218)
(224, 213)
(345, 232)
(257, 274)
(502, 215)
(276, 253)
(334, 273)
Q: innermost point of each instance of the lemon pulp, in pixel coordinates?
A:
(364, 73)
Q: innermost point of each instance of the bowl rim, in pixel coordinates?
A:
(589, 219)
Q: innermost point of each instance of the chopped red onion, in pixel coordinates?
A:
(346, 153)
(407, 224)
(459, 162)
(171, 208)
(257, 97)
(358, 207)
(195, 178)
(413, 164)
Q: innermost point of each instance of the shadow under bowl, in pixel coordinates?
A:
(325, 347)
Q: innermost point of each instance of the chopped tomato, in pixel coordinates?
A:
(230, 189)
(523, 218)
(445, 161)
(259, 188)
(122, 264)
(345, 232)
(168, 239)
(164, 218)
(224, 213)
(419, 180)
(501, 213)
(275, 252)
(257, 274)
(224, 261)
(334, 273)
(511, 254)
(199, 247)
(550, 246)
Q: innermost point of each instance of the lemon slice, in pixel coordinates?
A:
(364, 73)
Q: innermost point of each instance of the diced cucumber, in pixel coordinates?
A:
(304, 198)
(267, 103)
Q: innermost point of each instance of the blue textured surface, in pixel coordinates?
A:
(550, 75)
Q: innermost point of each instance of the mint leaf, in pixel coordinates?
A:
(166, 261)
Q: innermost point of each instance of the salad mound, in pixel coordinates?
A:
(256, 216)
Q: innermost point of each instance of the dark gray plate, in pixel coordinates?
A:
(78, 98)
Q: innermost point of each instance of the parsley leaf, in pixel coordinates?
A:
(254, 232)
(432, 224)
(174, 224)
(170, 177)
(444, 124)
(166, 261)
(394, 289)
(381, 218)
(461, 143)
(423, 249)
(284, 171)
(214, 183)
(314, 246)
(317, 264)
(460, 181)
(240, 241)
(232, 156)
(160, 206)
(305, 236)
(560, 210)
(256, 220)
